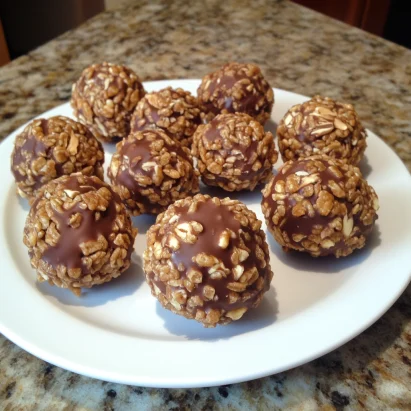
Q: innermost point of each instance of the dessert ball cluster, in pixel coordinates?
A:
(321, 206)
(207, 259)
(50, 148)
(104, 98)
(235, 88)
(234, 152)
(322, 126)
(174, 111)
(78, 233)
(150, 171)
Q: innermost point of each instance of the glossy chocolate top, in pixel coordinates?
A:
(305, 224)
(213, 135)
(142, 158)
(230, 93)
(34, 148)
(215, 219)
(67, 251)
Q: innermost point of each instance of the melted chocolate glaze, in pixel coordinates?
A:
(212, 135)
(67, 251)
(37, 149)
(116, 81)
(155, 119)
(215, 219)
(304, 224)
(31, 145)
(131, 151)
(148, 123)
(245, 105)
(306, 138)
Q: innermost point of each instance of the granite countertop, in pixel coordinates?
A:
(298, 50)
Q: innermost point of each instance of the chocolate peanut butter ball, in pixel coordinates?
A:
(207, 259)
(174, 111)
(104, 98)
(321, 206)
(50, 148)
(236, 87)
(234, 152)
(322, 126)
(78, 233)
(150, 171)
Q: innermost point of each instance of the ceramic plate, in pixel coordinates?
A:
(118, 332)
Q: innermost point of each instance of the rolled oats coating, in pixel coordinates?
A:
(78, 233)
(322, 126)
(50, 148)
(150, 171)
(207, 259)
(174, 111)
(236, 87)
(321, 206)
(104, 98)
(234, 152)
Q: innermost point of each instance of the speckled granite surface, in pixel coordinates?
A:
(298, 50)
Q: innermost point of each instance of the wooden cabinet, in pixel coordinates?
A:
(4, 50)
(370, 15)
(29, 23)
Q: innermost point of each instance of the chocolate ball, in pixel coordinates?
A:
(236, 87)
(234, 152)
(321, 206)
(150, 171)
(104, 98)
(322, 126)
(50, 148)
(207, 259)
(174, 111)
(78, 233)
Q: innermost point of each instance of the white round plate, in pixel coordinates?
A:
(118, 332)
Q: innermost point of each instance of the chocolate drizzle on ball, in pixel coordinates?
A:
(138, 125)
(150, 170)
(175, 111)
(136, 153)
(322, 126)
(67, 251)
(78, 233)
(234, 152)
(207, 259)
(305, 223)
(248, 151)
(320, 205)
(236, 88)
(104, 98)
(32, 147)
(215, 220)
(50, 148)
(249, 101)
